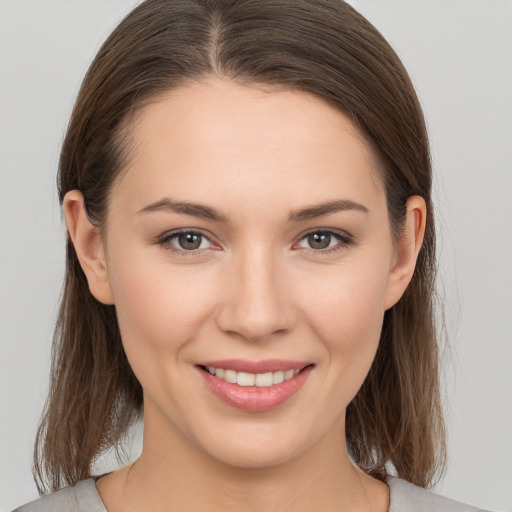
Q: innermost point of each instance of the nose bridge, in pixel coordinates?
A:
(258, 303)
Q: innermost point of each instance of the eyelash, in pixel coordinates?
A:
(344, 240)
(165, 241)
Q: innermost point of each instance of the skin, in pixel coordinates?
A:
(255, 289)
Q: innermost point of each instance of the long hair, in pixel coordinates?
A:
(325, 48)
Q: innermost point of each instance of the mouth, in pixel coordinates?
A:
(245, 379)
(269, 385)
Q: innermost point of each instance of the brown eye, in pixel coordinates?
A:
(325, 241)
(319, 240)
(189, 241)
(185, 241)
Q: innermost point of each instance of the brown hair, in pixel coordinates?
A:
(323, 47)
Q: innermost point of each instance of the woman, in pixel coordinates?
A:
(250, 266)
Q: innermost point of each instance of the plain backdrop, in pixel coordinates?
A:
(459, 54)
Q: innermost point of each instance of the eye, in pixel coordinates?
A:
(185, 241)
(325, 241)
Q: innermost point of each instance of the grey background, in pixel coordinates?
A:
(459, 54)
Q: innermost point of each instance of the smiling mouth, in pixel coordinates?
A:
(263, 386)
(245, 379)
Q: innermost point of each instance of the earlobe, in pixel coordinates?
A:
(88, 245)
(407, 250)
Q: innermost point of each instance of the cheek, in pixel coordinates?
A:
(349, 300)
(347, 314)
(160, 307)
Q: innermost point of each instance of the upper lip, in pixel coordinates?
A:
(248, 366)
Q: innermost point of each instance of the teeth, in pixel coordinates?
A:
(278, 377)
(230, 376)
(261, 380)
(264, 380)
(245, 379)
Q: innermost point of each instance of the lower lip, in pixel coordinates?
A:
(253, 398)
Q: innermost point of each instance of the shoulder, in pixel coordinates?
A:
(406, 497)
(82, 497)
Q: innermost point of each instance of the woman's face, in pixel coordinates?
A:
(249, 233)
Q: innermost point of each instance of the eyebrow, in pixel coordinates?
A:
(325, 209)
(195, 210)
(205, 212)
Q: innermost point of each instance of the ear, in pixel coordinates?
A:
(88, 245)
(407, 249)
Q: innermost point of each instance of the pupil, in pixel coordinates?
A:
(189, 241)
(319, 240)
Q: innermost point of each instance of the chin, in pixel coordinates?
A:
(257, 448)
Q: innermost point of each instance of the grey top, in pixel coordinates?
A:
(404, 497)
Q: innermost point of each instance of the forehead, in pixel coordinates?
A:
(216, 137)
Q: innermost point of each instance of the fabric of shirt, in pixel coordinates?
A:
(404, 497)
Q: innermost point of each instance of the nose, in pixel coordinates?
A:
(258, 301)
